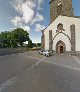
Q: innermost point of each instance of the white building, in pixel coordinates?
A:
(63, 33)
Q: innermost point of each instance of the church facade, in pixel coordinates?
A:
(63, 33)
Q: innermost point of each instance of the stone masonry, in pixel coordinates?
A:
(50, 40)
(42, 40)
(72, 29)
(60, 7)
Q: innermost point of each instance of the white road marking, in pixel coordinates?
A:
(64, 66)
(38, 62)
(11, 81)
(76, 59)
(7, 83)
(43, 60)
(34, 57)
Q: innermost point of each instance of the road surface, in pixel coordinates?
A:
(10, 51)
(24, 73)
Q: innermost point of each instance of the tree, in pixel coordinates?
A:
(20, 36)
(39, 44)
(5, 38)
(30, 44)
(13, 38)
(34, 44)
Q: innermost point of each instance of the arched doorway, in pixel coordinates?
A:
(60, 47)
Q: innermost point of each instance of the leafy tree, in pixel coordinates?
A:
(4, 38)
(13, 38)
(20, 36)
(34, 44)
(30, 44)
(38, 44)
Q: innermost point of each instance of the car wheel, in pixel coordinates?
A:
(46, 55)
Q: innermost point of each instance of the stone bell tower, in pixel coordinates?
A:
(60, 7)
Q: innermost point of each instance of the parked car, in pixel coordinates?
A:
(41, 52)
(45, 53)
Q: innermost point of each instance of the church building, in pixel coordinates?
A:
(62, 35)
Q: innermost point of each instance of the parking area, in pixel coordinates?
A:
(72, 61)
(32, 72)
(36, 54)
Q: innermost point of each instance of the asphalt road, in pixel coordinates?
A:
(10, 51)
(22, 73)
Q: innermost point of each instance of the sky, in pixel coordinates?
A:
(31, 15)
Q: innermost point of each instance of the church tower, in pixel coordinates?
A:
(60, 7)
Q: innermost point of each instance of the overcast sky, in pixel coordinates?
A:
(32, 15)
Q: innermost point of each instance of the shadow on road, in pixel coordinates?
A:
(10, 51)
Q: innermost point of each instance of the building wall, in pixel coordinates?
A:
(63, 38)
(77, 36)
(46, 33)
(65, 9)
(66, 21)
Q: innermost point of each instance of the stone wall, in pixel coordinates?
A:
(50, 40)
(65, 9)
(77, 53)
(43, 41)
(72, 29)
